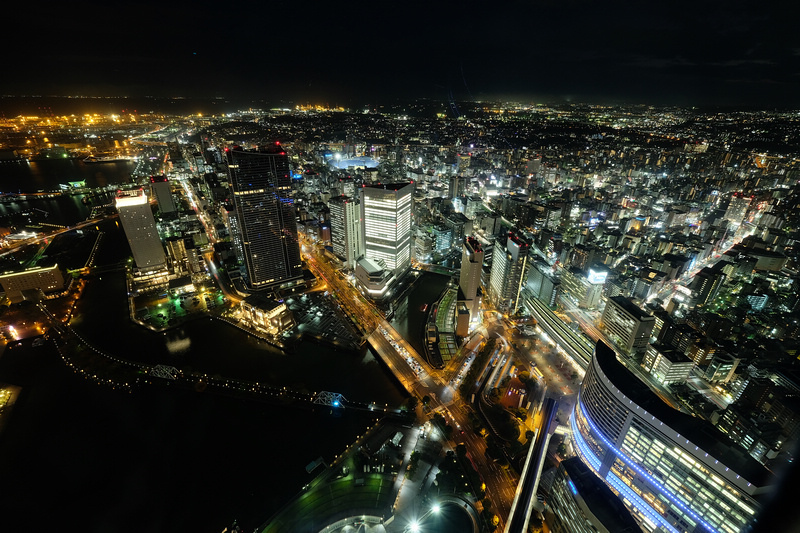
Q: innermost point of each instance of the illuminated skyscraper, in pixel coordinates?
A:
(470, 277)
(672, 470)
(509, 271)
(266, 229)
(346, 231)
(159, 185)
(140, 229)
(458, 186)
(386, 219)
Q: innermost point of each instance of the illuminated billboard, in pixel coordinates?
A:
(597, 278)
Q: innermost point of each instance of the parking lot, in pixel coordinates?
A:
(317, 315)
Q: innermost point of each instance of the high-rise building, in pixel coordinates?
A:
(266, 227)
(627, 325)
(346, 229)
(509, 271)
(470, 277)
(581, 503)
(160, 188)
(542, 284)
(672, 470)
(458, 186)
(706, 284)
(584, 287)
(140, 229)
(386, 219)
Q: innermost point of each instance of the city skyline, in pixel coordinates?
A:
(590, 238)
(742, 53)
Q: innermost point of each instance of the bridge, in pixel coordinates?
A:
(333, 399)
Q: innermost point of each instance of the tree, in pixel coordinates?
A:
(411, 403)
(561, 450)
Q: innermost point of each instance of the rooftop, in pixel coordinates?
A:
(698, 431)
(603, 503)
(630, 307)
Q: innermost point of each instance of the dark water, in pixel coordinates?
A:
(61, 210)
(409, 319)
(86, 457)
(90, 458)
(47, 175)
(34, 176)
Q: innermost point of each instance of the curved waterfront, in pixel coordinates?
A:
(161, 458)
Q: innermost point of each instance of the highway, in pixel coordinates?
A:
(419, 379)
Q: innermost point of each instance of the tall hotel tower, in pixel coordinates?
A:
(266, 229)
(140, 229)
(346, 230)
(673, 471)
(470, 276)
(386, 219)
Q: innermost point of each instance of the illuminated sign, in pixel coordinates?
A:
(597, 278)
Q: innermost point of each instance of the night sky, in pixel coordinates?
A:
(346, 53)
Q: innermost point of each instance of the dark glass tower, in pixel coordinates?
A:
(266, 226)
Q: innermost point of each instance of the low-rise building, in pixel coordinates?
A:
(43, 280)
(266, 314)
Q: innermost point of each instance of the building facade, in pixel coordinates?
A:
(672, 470)
(160, 188)
(346, 229)
(266, 229)
(386, 218)
(584, 287)
(627, 325)
(470, 276)
(509, 271)
(667, 365)
(137, 220)
(581, 503)
(543, 284)
(45, 279)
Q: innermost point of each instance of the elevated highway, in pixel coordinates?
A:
(525, 497)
